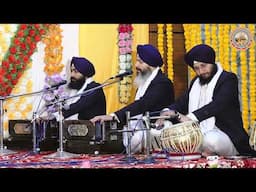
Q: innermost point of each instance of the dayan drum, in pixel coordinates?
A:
(252, 140)
(183, 137)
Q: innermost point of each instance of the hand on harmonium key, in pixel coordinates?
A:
(42, 118)
(101, 119)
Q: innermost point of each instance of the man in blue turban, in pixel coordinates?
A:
(154, 91)
(81, 79)
(212, 99)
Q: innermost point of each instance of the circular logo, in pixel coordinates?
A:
(241, 38)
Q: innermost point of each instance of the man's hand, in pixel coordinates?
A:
(170, 113)
(183, 118)
(101, 118)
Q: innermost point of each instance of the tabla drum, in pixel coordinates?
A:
(252, 139)
(185, 137)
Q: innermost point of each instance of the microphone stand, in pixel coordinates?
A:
(129, 158)
(35, 116)
(149, 159)
(3, 149)
(127, 129)
(61, 153)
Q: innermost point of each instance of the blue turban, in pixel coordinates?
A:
(202, 53)
(84, 66)
(150, 55)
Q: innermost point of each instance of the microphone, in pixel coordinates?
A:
(121, 75)
(57, 85)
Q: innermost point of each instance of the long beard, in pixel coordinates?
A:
(142, 77)
(76, 84)
(204, 81)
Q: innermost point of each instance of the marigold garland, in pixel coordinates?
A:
(15, 70)
(6, 32)
(207, 34)
(221, 43)
(187, 34)
(214, 38)
(188, 43)
(226, 36)
(16, 59)
(169, 35)
(53, 66)
(195, 39)
(53, 50)
(252, 78)
(20, 108)
(244, 92)
(125, 61)
(160, 41)
(233, 64)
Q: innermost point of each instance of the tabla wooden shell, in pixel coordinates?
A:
(252, 140)
(183, 137)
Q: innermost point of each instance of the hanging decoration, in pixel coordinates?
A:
(214, 39)
(244, 85)
(233, 57)
(53, 67)
(160, 42)
(193, 37)
(15, 71)
(226, 47)
(170, 51)
(252, 79)
(16, 59)
(125, 61)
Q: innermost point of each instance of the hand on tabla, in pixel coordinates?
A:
(170, 114)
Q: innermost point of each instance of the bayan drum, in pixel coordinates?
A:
(183, 137)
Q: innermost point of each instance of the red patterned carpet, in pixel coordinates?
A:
(25, 159)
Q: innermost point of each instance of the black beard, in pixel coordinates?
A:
(205, 81)
(77, 84)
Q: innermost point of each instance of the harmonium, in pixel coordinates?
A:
(21, 135)
(81, 136)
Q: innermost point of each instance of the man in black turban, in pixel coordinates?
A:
(81, 79)
(154, 92)
(212, 99)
